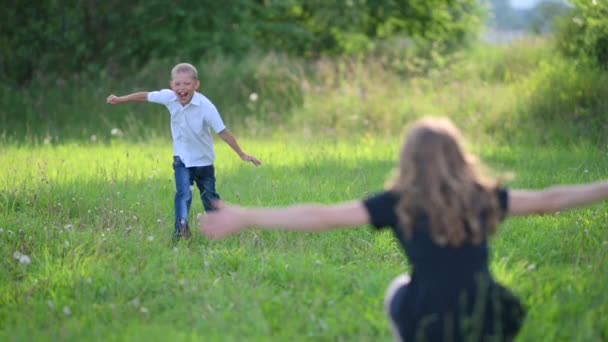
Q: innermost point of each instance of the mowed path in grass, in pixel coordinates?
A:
(95, 222)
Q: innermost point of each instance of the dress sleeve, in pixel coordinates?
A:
(503, 201)
(381, 209)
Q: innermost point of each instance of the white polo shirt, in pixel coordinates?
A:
(190, 126)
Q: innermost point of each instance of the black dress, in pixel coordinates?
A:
(451, 296)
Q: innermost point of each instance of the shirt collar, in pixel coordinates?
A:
(197, 99)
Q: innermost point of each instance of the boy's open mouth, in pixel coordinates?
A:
(183, 95)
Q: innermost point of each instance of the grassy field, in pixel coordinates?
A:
(94, 221)
(86, 215)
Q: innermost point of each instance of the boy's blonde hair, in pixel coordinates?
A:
(184, 67)
(438, 179)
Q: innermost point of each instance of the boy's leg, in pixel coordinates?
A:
(183, 197)
(205, 181)
(396, 289)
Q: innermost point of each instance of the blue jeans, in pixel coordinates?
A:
(185, 177)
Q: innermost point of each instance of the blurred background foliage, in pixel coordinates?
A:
(58, 38)
(313, 67)
(583, 33)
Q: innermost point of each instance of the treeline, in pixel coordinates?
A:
(62, 38)
(54, 38)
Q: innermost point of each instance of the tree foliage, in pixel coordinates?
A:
(584, 33)
(54, 37)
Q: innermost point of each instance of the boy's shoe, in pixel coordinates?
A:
(183, 231)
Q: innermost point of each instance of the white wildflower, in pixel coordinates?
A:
(93, 138)
(151, 238)
(25, 260)
(253, 97)
(67, 311)
(68, 226)
(136, 302)
(143, 310)
(116, 132)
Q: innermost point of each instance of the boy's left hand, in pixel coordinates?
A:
(252, 159)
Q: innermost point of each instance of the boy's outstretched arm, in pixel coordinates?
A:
(231, 141)
(556, 198)
(229, 219)
(141, 96)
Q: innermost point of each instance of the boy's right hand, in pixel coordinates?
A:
(113, 99)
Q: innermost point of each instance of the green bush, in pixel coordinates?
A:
(584, 33)
(563, 101)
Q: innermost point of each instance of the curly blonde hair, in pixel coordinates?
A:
(438, 179)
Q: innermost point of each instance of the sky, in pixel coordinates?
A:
(521, 4)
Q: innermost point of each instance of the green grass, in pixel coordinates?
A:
(96, 221)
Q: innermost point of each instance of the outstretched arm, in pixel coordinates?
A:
(141, 96)
(556, 198)
(230, 219)
(231, 141)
